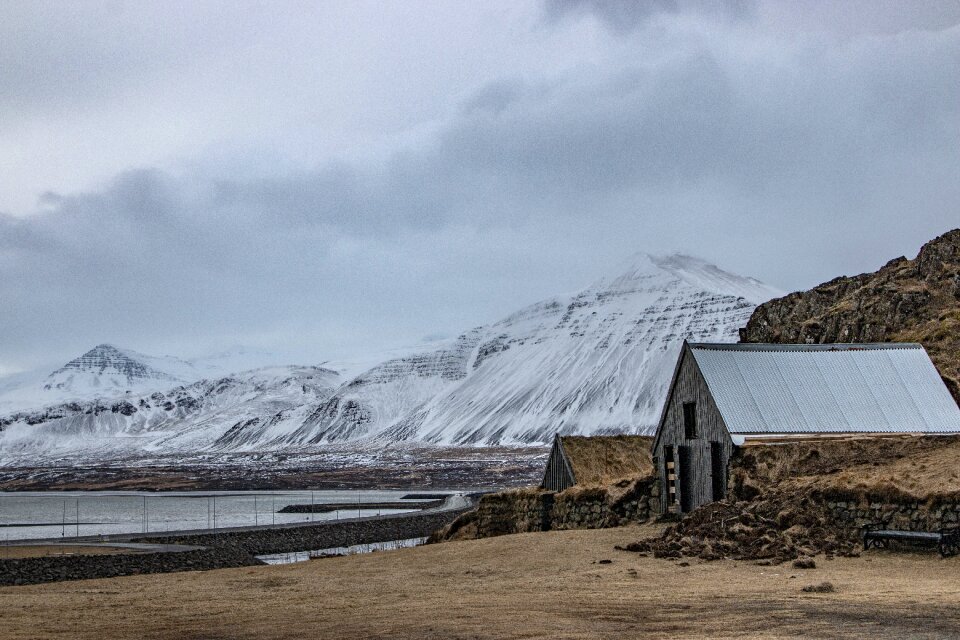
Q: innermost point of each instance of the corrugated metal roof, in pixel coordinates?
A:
(878, 388)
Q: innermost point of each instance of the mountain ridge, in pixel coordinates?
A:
(597, 361)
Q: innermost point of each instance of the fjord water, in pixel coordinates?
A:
(54, 514)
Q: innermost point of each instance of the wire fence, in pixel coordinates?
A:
(58, 515)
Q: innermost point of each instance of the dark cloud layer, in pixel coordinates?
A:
(791, 159)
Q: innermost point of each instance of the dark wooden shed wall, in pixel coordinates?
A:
(558, 474)
(689, 386)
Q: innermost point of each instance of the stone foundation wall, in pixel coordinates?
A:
(528, 510)
(318, 535)
(223, 549)
(21, 571)
(909, 515)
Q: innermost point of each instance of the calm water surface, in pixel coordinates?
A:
(53, 514)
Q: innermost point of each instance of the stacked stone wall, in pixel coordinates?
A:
(221, 549)
(529, 510)
(903, 514)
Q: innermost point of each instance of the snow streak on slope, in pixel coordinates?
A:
(597, 362)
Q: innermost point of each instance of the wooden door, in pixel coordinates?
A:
(718, 471)
(687, 479)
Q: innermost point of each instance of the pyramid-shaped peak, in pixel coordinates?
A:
(106, 358)
(101, 353)
(692, 271)
(104, 349)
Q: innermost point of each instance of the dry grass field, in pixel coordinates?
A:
(606, 460)
(542, 585)
(898, 467)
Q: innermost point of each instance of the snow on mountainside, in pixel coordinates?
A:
(101, 372)
(107, 369)
(184, 419)
(598, 361)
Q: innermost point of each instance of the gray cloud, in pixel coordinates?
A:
(793, 161)
(626, 15)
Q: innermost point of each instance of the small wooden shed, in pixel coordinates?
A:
(727, 395)
(596, 460)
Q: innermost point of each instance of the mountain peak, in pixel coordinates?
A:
(109, 369)
(692, 271)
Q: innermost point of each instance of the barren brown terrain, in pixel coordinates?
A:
(542, 585)
(436, 468)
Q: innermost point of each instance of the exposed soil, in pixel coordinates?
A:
(437, 468)
(775, 527)
(543, 585)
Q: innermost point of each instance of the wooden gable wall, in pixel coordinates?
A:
(696, 461)
(558, 474)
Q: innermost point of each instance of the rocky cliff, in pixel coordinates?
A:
(904, 301)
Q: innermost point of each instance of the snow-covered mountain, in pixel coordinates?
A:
(595, 362)
(598, 361)
(184, 419)
(106, 369)
(102, 372)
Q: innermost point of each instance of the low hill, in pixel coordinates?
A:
(904, 301)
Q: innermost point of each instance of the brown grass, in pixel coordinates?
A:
(605, 460)
(905, 468)
(547, 585)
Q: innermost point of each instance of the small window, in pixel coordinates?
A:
(690, 420)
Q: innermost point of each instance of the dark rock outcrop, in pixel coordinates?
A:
(904, 301)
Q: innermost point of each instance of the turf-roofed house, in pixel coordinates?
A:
(596, 460)
(728, 395)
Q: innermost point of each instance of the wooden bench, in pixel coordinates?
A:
(947, 541)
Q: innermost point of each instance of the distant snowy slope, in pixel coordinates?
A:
(107, 371)
(596, 362)
(184, 419)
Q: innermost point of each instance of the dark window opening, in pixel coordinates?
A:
(690, 420)
(718, 470)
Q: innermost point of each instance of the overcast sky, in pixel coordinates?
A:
(328, 178)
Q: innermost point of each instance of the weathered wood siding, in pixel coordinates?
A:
(559, 474)
(689, 386)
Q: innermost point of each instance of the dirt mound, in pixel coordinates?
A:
(776, 527)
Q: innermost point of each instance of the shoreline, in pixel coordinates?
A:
(224, 548)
